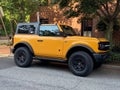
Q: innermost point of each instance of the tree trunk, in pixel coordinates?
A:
(109, 33)
(12, 28)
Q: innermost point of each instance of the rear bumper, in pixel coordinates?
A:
(99, 58)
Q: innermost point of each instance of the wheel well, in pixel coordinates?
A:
(23, 45)
(79, 48)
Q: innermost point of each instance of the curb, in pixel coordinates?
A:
(6, 55)
(107, 66)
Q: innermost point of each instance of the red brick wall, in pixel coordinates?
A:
(55, 15)
(51, 14)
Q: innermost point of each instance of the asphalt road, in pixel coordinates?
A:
(54, 77)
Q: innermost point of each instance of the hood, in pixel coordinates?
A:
(103, 40)
(82, 38)
(88, 38)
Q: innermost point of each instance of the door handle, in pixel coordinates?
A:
(40, 40)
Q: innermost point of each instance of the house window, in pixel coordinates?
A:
(44, 21)
(86, 29)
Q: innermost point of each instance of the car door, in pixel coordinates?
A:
(50, 42)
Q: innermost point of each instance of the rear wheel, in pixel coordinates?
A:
(80, 63)
(23, 57)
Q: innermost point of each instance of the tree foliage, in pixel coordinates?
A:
(101, 8)
(20, 9)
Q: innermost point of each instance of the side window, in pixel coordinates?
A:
(49, 30)
(26, 29)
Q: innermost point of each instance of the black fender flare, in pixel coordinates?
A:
(23, 44)
(82, 46)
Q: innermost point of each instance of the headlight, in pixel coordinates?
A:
(104, 46)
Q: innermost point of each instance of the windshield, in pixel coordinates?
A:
(68, 30)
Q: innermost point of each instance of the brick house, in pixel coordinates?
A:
(83, 28)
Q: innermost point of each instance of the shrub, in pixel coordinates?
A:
(116, 49)
(114, 57)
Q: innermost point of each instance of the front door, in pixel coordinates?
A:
(49, 42)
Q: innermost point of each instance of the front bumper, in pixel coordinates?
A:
(99, 58)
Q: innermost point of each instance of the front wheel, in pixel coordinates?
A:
(80, 63)
(23, 57)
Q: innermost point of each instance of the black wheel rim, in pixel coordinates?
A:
(21, 57)
(78, 64)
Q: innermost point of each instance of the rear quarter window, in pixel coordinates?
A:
(26, 29)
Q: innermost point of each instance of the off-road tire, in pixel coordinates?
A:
(23, 57)
(80, 63)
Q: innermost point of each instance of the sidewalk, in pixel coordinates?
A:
(4, 51)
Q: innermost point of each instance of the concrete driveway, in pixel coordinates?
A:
(54, 77)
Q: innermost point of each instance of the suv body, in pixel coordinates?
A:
(58, 42)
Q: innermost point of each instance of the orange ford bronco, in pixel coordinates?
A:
(57, 42)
